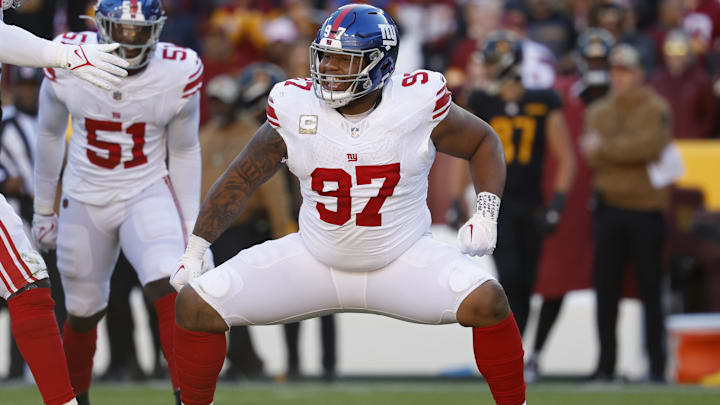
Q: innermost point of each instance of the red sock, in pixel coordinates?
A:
(38, 338)
(165, 308)
(80, 350)
(499, 357)
(199, 358)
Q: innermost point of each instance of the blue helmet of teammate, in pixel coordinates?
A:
(134, 24)
(365, 36)
(6, 4)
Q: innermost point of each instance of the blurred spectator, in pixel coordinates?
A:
(550, 27)
(75, 8)
(687, 87)
(301, 14)
(625, 132)
(537, 69)
(702, 23)
(438, 27)
(219, 56)
(481, 18)
(528, 122)
(593, 67)
(409, 17)
(297, 60)
(241, 23)
(620, 21)
(180, 27)
(237, 109)
(670, 17)
(280, 34)
(567, 254)
(35, 16)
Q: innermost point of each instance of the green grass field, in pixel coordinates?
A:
(410, 393)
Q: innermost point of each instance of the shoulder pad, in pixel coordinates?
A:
(183, 66)
(77, 38)
(429, 90)
(284, 96)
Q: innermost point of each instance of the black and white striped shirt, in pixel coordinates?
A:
(17, 144)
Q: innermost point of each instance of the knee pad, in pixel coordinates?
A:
(463, 275)
(85, 298)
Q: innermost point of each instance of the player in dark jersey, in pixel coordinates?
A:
(528, 122)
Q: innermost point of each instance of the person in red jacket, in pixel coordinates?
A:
(567, 254)
(687, 87)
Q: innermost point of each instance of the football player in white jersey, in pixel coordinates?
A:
(117, 191)
(23, 277)
(361, 144)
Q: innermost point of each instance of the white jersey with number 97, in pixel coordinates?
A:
(364, 184)
(119, 138)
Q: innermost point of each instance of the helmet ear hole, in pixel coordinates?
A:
(386, 67)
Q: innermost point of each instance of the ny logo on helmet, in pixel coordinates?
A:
(389, 35)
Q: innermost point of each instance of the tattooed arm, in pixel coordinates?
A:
(260, 159)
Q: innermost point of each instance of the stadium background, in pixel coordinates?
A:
(442, 36)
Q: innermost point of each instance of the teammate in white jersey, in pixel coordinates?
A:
(117, 191)
(361, 144)
(23, 278)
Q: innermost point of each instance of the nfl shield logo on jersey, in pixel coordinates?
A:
(354, 132)
(308, 124)
(117, 95)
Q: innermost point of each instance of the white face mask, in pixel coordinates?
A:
(6, 4)
(360, 82)
(105, 35)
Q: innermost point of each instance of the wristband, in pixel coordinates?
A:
(488, 206)
(57, 54)
(196, 247)
(43, 207)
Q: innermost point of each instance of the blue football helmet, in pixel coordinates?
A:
(369, 37)
(134, 24)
